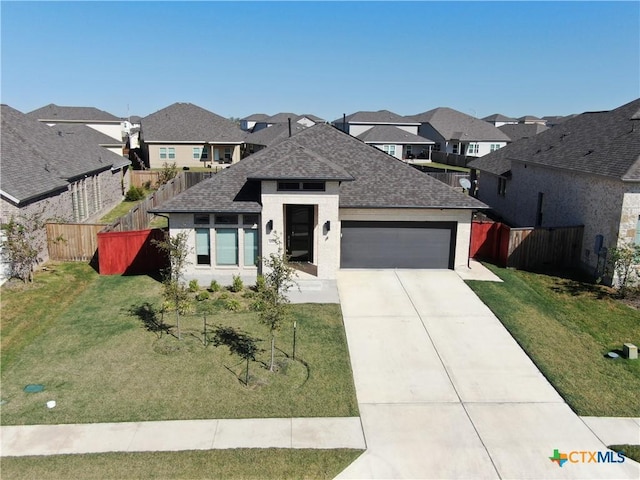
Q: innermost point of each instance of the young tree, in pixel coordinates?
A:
(175, 292)
(169, 172)
(623, 263)
(271, 299)
(23, 240)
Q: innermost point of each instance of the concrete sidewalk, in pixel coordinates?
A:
(320, 433)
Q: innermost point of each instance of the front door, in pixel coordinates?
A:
(299, 232)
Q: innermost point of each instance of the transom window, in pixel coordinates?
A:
(201, 218)
(226, 219)
(296, 186)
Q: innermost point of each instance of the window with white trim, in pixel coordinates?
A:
(163, 153)
(390, 149)
(172, 152)
(494, 146)
(473, 149)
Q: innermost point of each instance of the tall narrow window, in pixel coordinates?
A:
(197, 153)
(227, 246)
(172, 152)
(203, 248)
(250, 247)
(539, 209)
(163, 153)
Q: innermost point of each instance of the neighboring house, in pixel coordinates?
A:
(397, 142)
(60, 175)
(247, 123)
(458, 133)
(384, 130)
(584, 171)
(266, 137)
(521, 130)
(284, 118)
(99, 120)
(498, 120)
(530, 120)
(189, 136)
(90, 135)
(332, 201)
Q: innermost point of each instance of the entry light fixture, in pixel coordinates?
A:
(269, 226)
(327, 226)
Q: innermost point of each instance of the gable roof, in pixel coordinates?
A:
(255, 117)
(516, 131)
(379, 180)
(391, 134)
(601, 143)
(186, 122)
(282, 117)
(529, 119)
(88, 133)
(55, 113)
(38, 159)
(454, 125)
(381, 116)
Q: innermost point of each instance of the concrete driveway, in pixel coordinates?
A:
(445, 392)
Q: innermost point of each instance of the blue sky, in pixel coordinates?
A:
(323, 58)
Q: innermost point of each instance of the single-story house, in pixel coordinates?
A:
(92, 117)
(55, 174)
(331, 201)
(458, 133)
(583, 171)
(397, 142)
(189, 136)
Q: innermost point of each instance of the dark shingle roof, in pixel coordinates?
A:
(75, 114)
(381, 116)
(282, 117)
(391, 134)
(529, 118)
(88, 133)
(380, 181)
(273, 134)
(498, 117)
(601, 143)
(315, 118)
(454, 125)
(256, 117)
(516, 131)
(186, 122)
(38, 159)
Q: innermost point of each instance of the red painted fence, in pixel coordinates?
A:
(490, 241)
(128, 253)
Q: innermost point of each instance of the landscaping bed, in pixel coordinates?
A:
(101, 359)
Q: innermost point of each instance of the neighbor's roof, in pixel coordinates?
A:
(255, 117)
(381, 116)
(530, 118)
(498, 117)
(391, 134)
(314, 118)
(454, 125)
(379, 181)
(282, 117)
(273, 134)
(38, 159)
(186, 122)
(517, 131)
(55, 113)
(88, 133)
(601, 143)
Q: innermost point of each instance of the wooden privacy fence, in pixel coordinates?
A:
(128, 253)
(450, 178)
(140, 177)
(72, 242)
(526, 248)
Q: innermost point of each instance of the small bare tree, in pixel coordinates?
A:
(271, 299)
(175, 292)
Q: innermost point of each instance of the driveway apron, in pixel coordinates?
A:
(444, 390)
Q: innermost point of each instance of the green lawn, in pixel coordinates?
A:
(567, 327)
(87, 343)
(118, 211)
(191, 465)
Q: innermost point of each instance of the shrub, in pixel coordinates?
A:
(134, 194)
(260, 283)
(201, 296)
(233, 305)
(193, 285)
(214, 286)
(237, 284)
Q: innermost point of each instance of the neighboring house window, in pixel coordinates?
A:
(539, 209)
(203, 246)
(455, 148)
(494, 146)
(227, 246)
(436, 147)
(227, 153)
(172, 152)
(409, 150)
(473, 149)
(502, 186)
(200, 153)
(216, 154)
(163, 153)
(390, 149)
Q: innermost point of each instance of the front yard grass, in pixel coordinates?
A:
(192, 465)
(99, 358)
(567, 327)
